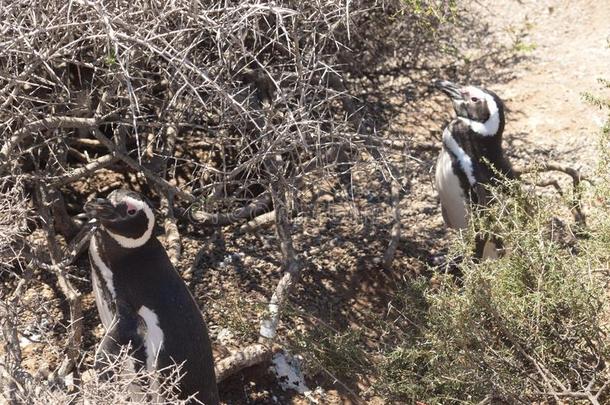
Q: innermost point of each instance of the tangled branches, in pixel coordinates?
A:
(222, 110)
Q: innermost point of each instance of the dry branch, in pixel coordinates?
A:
(170, 223)
(577, 179)
(246, 357)
(258, 222)
(72, 295)
(290, 262)
(254, 209)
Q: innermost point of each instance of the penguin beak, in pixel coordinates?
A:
(101, 209)
(450, 89)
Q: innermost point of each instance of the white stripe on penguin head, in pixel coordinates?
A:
(491, 126)
(131, 243)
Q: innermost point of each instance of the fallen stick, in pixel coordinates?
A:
(247, 357)
(258, 222)
(252, 210)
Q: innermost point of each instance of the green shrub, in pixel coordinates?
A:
(530, 326)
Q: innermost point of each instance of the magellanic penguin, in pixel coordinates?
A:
(472, 156)
(141, 299)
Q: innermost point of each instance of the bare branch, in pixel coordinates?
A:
(246, 357)
(159, 182)
(255, 208)
(48, 123)
(71, 293)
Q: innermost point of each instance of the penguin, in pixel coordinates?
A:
(141, 299)
(471, 157)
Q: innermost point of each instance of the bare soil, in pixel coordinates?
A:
(558, 49)
(568, 50)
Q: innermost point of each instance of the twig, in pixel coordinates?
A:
(86, 142)
(577, 179)
(71, 293)
(261, 205)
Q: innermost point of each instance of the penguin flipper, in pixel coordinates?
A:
(122, 334)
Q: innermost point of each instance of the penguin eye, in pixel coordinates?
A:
(131, 210)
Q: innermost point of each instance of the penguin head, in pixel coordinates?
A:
(480, 108)
(125, 216)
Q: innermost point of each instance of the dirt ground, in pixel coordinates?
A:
(568, 50)
(558, 48)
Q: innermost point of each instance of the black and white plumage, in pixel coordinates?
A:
(141, 299)
(472, 155)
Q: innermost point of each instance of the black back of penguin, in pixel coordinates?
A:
(146, 284)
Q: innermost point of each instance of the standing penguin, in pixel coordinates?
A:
(471, 157)
(141, 299)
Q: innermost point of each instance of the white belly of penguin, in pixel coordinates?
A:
(451, 194)
(152, 336)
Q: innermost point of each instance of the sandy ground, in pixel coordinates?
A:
(567, 47)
